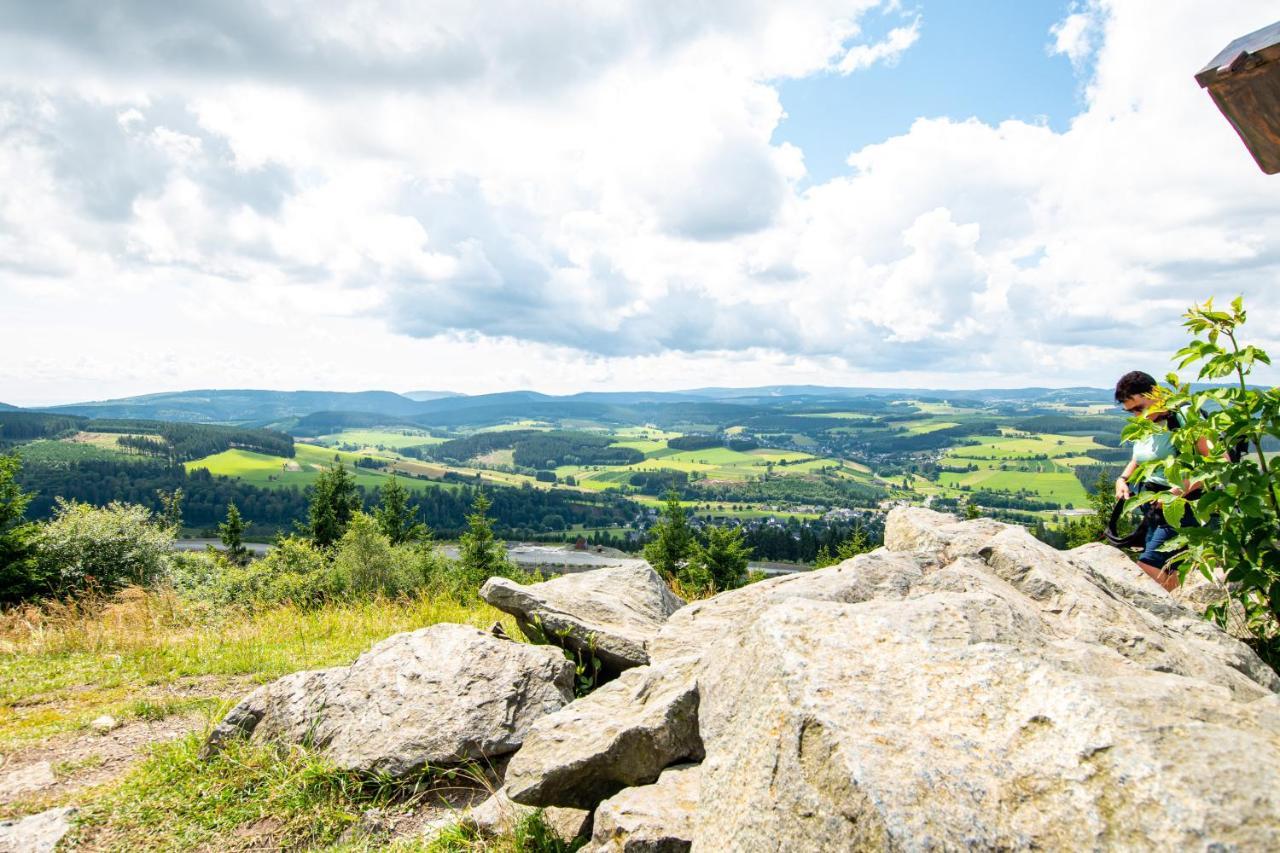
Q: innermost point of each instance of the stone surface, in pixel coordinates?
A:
(441, 695)
(621, 735)
(499, 815)
(983, 691)
(24, 779)
(620, 607)
(657, 818)
(38, 833)
(104, 724)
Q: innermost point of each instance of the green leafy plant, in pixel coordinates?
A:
(1238, 510)
(586, 665)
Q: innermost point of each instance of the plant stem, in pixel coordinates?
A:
(1257, 440)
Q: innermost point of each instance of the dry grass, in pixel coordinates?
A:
(145, 653)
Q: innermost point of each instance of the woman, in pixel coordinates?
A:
(1133, 392)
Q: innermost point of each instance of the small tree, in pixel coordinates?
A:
(333, 502)
(672, 542)
(480, 555)
(19, 575)
(1239, 492)
(721, 557)
(231, 532)
(171, 509)
(396, 517)
(854, 544)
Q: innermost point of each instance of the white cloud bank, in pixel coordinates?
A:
(363, 195)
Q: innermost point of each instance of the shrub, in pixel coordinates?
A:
(103, 547)
(1239, 509)
(366, 564)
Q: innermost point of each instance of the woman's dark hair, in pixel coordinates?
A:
(1134, 382)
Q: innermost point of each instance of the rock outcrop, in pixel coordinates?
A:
(623, 734)
(965, 687)
(613, 612)
(438, 696)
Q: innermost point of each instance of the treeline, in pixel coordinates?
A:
(1005, 500)
(694, 442)
(1060, 424)
(98, 482)
(826, 492)
(707, 442)
(29, 426)
(534, 449)
(194, 441)
(800, 543)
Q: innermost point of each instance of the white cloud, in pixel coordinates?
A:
(887, 51)
(590, 196)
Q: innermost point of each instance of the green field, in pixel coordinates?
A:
(391, 438)
(1011, 463)
(716, 464)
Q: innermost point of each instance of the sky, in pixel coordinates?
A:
(570, 196)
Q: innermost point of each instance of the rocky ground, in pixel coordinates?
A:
(965, 686)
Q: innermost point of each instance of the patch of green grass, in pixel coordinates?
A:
(49, 451)
(393, 438)
(267, 796)
(176, 800)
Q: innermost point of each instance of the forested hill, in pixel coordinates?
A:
(242, 406)
(174, 442)
(283, 409)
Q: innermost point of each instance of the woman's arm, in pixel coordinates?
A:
(1122, 482)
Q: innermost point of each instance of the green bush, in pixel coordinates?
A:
(1239, 508)
(105, 548)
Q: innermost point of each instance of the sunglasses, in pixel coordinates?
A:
(1136, 408)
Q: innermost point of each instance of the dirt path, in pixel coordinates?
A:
(51, 772)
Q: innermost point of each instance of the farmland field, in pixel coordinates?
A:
(392, 438)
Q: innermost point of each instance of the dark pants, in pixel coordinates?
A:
(1158, 533)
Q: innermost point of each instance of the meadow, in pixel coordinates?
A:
(168, 668)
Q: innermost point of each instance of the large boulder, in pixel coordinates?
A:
(612, 612)
(438, 696)
(954, 720)
(657, 818)
(623, 734)
(979, 689)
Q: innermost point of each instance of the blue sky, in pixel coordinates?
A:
(602, 196)
(990, 60)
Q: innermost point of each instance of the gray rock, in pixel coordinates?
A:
(38, 833)
(657, 818)
(28, 777)
(104, 724)
(989, 692)
(438, 696)
(614, 611)
(621, 735)
(499, 814)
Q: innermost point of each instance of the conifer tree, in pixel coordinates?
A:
(722, 558)
(231, 532)
(396, 517)
(333, 502)
(672, 541)
(171, 509)
(17, 568)
(481, 555)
